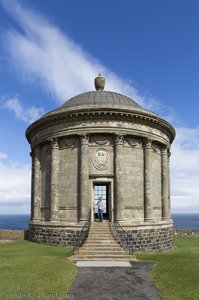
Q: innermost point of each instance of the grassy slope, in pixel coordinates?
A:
(31, 268)
(177, 272)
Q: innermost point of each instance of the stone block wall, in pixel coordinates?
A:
(56, 236)
(133, 180)
(150, 240)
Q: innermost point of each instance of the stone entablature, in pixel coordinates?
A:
(64, 123)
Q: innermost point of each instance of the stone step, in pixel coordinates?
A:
(100, 236)
(74, 259)
(101, 247)
(101, 242)
(99, 228)
(102, 256)
(98, 253)
(100, 231)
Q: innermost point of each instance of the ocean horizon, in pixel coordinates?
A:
(20, 222)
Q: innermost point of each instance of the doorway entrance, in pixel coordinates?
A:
(102, 190)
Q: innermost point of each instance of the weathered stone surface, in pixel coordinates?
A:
(152, 240)
(55, 236)
(116, 143)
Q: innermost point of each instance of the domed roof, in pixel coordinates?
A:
(101, 98)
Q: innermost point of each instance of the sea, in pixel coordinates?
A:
(20, 222)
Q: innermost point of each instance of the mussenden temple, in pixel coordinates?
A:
(101, 143)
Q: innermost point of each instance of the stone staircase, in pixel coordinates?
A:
(101, 245)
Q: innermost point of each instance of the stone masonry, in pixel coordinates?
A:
(101, 138)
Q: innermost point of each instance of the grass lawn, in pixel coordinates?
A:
(33, 270)
(177, 272)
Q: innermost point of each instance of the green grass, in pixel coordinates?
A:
(26, 268)
(176, 274)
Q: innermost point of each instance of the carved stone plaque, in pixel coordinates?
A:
(101, 158)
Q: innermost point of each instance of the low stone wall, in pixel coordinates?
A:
(151, 240)
(147, 239)
(54, 236)
(186, 232)
(13, 234)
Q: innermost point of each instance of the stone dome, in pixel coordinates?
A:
(101, 98)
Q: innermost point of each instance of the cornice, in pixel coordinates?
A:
(139, 116)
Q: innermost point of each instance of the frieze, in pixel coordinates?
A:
(101, 140)
(101, 159)
(133, 142)
(72, 118)
(46, 149)
(156, 148)
(73, 127)
(68, 142)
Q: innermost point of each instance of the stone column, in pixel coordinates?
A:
(169, 188)
(119, 177)
(36, 185)
(32, 186)
(54, 180)
(84, 177)
(165, 185)
(148, 205)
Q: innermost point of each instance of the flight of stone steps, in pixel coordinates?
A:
(101, 245)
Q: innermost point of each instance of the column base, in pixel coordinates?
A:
(82, 220)
(148, 220)
(36, 220)
(166, 218)
(54, 220)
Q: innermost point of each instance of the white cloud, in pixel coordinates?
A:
(14, 185)
(45, 55)
(28, 115)
(3, 155)
(185, 168)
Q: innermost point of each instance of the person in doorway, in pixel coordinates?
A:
(100, 209)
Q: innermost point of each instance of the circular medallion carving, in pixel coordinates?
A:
(101, 159)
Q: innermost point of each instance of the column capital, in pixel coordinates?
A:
(84, 138)
(164, 150)
(54, 143)
(147, 143)
(119, 139)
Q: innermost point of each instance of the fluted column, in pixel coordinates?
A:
(54, 180)
(36, 185)
(165, 185)
(148, 205)
(84, 177)
(119, 177)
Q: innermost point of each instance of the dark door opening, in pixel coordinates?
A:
(101, 190)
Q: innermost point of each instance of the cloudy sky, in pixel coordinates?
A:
(52, 50)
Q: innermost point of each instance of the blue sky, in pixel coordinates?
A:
(51, 50)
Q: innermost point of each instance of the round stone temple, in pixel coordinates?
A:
(101, 144)
(99, 83)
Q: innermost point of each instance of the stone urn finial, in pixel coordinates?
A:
(99, 83)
